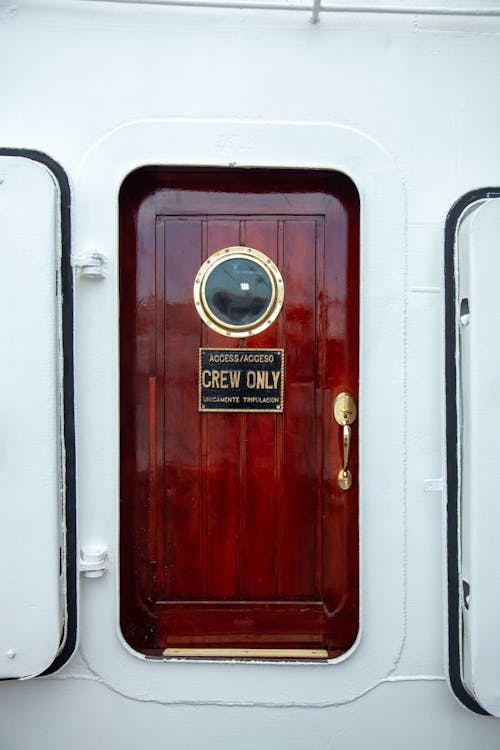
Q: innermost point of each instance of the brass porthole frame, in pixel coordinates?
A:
(272, 310)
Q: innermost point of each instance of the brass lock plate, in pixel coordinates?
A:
(344, 409)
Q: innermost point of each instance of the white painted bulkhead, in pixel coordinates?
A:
(406, 106)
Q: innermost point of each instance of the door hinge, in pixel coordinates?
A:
(433, 485)
(92, 265)
(93, 561)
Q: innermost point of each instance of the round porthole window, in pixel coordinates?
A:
(238, 291)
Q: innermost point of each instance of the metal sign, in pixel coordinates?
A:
(241, 380)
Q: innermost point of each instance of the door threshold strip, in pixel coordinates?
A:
(255, 653)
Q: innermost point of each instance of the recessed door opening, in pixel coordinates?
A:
(239, 475)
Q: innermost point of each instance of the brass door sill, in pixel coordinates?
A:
(255, 653)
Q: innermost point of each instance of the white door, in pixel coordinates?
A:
(37, 555)
(473, 382)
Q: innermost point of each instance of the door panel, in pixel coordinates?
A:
(473, 348)
(37, 497)
(235, 533)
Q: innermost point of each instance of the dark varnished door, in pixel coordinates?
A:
(234, 531)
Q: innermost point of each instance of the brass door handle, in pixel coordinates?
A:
(345, 412)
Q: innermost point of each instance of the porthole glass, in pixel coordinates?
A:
(238, 291)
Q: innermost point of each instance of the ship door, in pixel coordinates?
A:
(239, 424)
(38, 557)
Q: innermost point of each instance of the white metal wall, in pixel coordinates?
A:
(407, 106)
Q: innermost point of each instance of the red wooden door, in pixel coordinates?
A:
(234, 531)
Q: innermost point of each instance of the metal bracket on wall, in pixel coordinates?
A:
(93, 561)
(91, 266)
